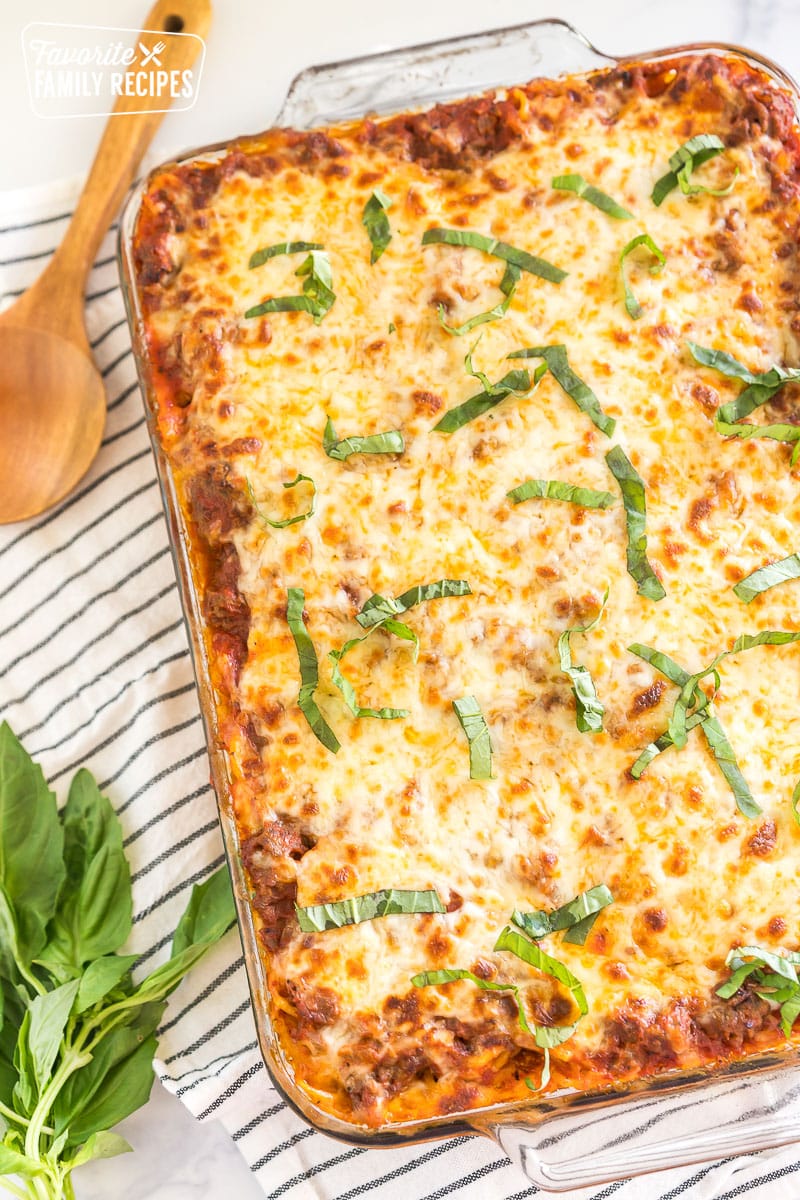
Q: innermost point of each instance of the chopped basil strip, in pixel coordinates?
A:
(472, 722)
(761, 388)
(388, 902)
(632, 305)
(768, 577)
(554, 489)
(510, 254)
(577, 916)
(631, 485)
(692, 696)
(262, 256)
(318, 295)
(556, 359)
(601, 200)
(773, 977)
(377, 609)
(287, 521)
(796, 802)
(513, 383)
(588, 707)
(687, 158)
(515, 943)
(390, 442)
(376, 223)
(508, 286)
(452, 975)
(347, 689)
(309, 670)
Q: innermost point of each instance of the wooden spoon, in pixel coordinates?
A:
(52, 397)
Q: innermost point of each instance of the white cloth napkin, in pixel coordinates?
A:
(95, 671)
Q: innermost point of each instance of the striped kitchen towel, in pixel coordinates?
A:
(95, 670)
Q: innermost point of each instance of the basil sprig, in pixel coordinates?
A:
(376, 223)
(686, 159)
(587, 191)
(693, 708)
(588, 706)
(773, 976)
(78, 1034)
(576, 917)
(632, 305)
(474, 725)
(318, 296)
(309, 670)
(556, 361)
(761, 387)
(287, 521)
(768, 577)
(508, 286)
(555, 489)
(377, 609)
(335, 914)
(259, 257)
(390, 442)
(631, 485)
(345, 686)
(509, 254)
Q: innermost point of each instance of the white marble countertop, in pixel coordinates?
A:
(254, 50)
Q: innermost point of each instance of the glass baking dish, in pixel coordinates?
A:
(564, 1140)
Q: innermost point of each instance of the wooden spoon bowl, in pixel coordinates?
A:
(52, 397)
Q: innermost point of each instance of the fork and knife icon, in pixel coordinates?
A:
(149, 56)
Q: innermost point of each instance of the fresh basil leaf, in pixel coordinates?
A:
(309, 670)
(31, 845)
(555, 358)
(210, 913)
(508, 286)
(510, 254)
(93, 916)
(103, 1144)
(122, 1090)
(554, 489)
(588, 707)
(49, 1014)
(687, 158)
(348, 691)
(108, 1060)
(601, 200)
(390, 442)
(287, 521)
(376, 223)
(12, 1162)
(318, 296)
(472, 722)
(768, 577)
(513, 383)
(316, 918)
(576, 916)
(377, 609)
(631, 485)
(101, 977)
(262, 256)
(632, 305)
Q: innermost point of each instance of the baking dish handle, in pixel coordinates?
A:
(588, 1145)
(427, 74)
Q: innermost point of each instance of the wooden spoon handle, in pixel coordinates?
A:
(127, 135)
